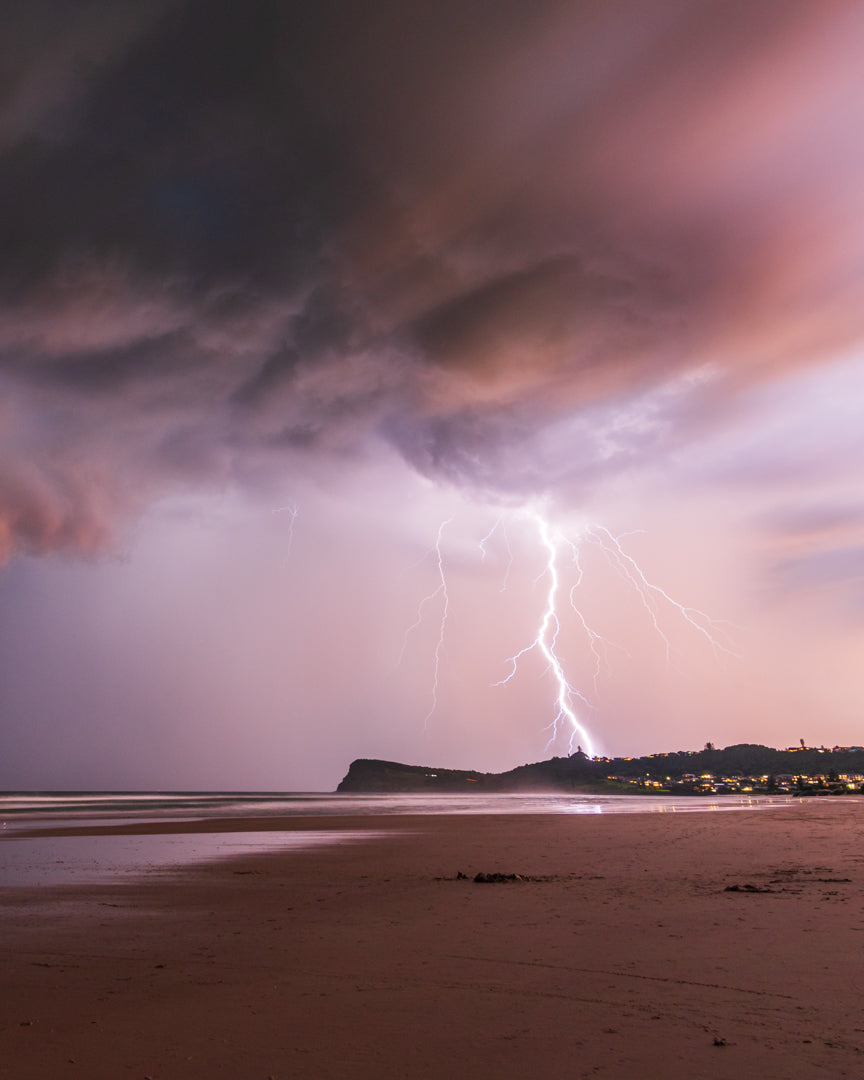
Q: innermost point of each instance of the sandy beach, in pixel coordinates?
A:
(717, 945)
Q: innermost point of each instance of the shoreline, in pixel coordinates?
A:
(63, 813)
(624, 948)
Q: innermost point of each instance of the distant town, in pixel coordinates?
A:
(744, 768)
(825, 780)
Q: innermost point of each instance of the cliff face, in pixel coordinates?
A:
(370, 775)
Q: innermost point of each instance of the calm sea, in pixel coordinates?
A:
(66, 859)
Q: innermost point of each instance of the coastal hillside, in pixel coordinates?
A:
(730, 768)
(369, 774)
(558, 774)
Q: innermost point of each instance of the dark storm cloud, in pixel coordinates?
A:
(234, 232)
(190, 156)
(548, 302)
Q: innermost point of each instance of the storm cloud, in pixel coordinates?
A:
(237, 238)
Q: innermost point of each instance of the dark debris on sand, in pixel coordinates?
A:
(747, 889)
(501, 879)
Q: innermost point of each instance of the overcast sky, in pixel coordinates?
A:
(291, 293)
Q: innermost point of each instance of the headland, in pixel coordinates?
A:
(744, 768)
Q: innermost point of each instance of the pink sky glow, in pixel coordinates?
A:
(420, 264)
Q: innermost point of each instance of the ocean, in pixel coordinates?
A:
(27, 860)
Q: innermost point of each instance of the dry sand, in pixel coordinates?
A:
(625, 957)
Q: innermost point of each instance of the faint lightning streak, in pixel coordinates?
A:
(292, 510)
(509, 559)
(596, 642)
(442, 588)
(439, 590)
(546, 641)
(482, 545)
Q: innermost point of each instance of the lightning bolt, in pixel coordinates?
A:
(546, 642)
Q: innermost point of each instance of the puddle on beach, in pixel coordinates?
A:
(76, 860)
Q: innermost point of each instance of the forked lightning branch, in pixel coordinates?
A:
(568, 702)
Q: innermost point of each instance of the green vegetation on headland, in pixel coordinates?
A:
(743, 768)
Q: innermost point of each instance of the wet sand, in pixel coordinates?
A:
(625, 951)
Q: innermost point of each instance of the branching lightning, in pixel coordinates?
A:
(649, 592)
(569, 701)
(597, 644)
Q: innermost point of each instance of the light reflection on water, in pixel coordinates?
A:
(76, 859)
(172, 805)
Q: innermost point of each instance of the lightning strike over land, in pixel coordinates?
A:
(546, 642)
(569, 700)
